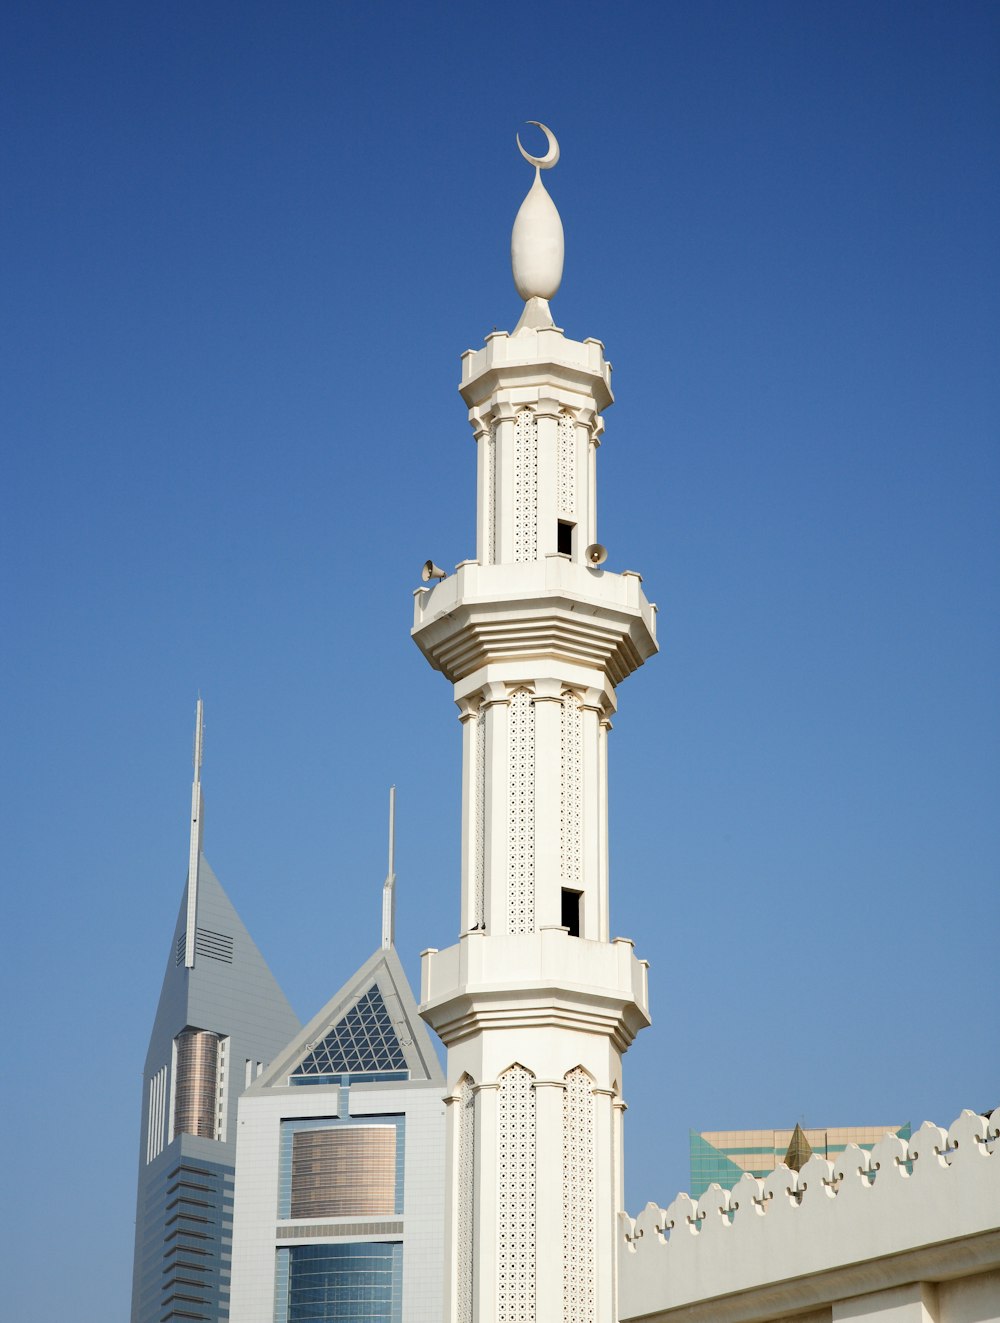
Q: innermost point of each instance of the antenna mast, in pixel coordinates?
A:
(197, 806)
(389, 887)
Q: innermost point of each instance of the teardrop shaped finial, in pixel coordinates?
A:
(536, 244)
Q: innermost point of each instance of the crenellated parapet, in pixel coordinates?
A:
(922, 1209)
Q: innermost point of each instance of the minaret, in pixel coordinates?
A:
(536, 1004)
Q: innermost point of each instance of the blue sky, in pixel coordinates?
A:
(245, 246)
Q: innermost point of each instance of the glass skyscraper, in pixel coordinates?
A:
(221, 1018)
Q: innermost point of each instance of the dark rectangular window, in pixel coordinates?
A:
(564, 538)
(571, 911)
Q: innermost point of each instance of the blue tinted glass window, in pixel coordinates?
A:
(345, 1283)
(368, 1076)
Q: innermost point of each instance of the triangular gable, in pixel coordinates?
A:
(364, 1041)
(370, 1027)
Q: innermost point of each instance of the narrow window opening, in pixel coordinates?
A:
(564, 538)
(571, 911)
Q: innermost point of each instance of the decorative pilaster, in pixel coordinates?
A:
(604, 730)
(567, 484)
(525, 487)
(572, 779)
(495, 817)
(521, 798)
(473, 809)
(550, 1202)
(503, 494)
(608, 1160)
(485, 1271)
(593, 816)
(548, 706)
(463, 1271)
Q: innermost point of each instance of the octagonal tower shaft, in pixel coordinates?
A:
(535, 1003)
(534, 639)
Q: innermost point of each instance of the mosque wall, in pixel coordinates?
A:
(908, 1233)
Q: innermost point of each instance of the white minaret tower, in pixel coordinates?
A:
(536, 1004)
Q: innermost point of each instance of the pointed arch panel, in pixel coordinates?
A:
(579, 1197)
(516, 1196)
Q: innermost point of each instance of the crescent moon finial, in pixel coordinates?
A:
(551, 157)
(536, 244)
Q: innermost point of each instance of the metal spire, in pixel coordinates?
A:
(389, 886)
(197, 806)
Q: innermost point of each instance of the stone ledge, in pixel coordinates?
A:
(484, 613)
(539, 979)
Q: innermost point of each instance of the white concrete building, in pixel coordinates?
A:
(536, 1003)
(339, 1204)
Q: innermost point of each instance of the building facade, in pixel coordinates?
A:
(340, 1184)
(221, 1018)
(536, 1003)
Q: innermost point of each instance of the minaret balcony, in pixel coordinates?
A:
(543, 979)
(537, 360)
(547, 608)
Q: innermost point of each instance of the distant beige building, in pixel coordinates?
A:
(723, 1156)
